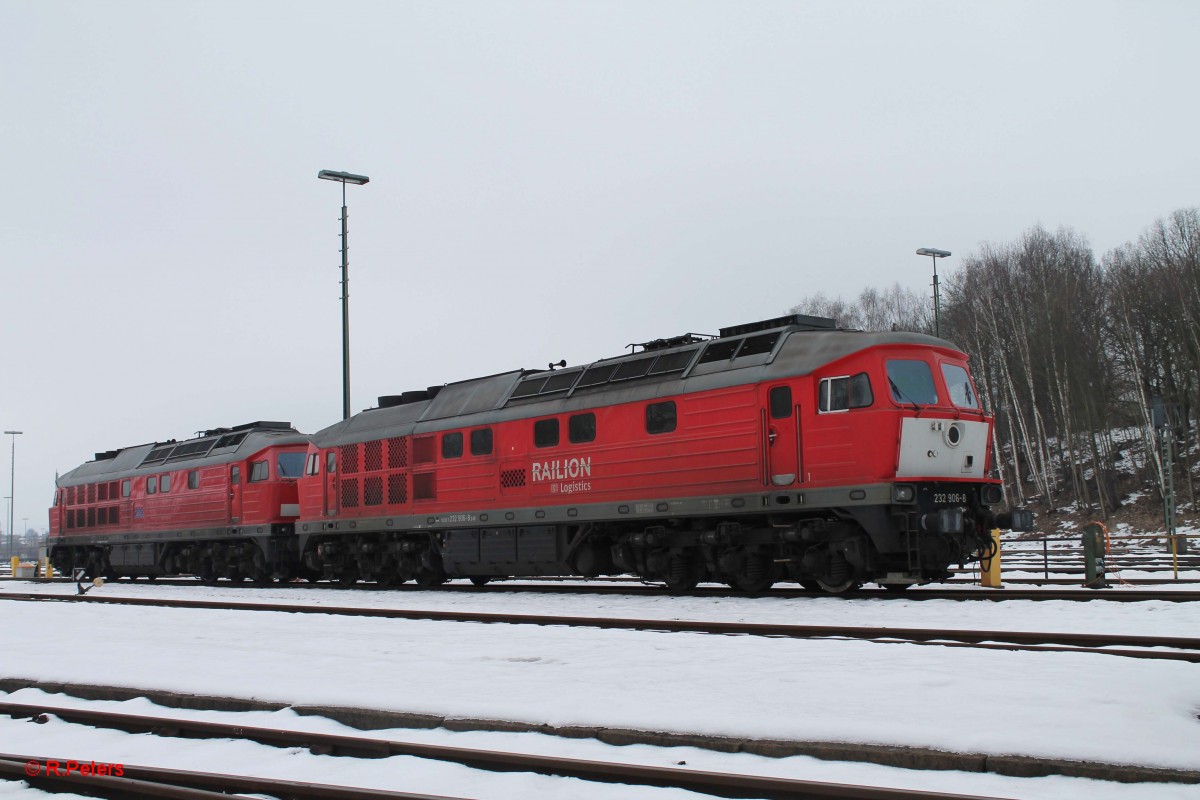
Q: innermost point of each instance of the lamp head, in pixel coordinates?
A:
(342, 177)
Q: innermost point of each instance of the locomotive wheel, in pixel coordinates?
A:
(838, 588)
(681, 586)
(757, 574)
(753, 585)
(683, 574)
(427, 578)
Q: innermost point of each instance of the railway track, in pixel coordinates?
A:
(654, 590)
(152, 783)
(208, 785)
(1148, 647)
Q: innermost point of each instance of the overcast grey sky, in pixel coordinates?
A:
(548, 180)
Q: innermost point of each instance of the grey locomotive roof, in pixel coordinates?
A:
(129, 461)
(799, 350)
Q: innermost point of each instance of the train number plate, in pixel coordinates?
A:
(950, 498)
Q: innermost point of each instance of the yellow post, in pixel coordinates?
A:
(989, 568)
(49, 571)
(16, 562)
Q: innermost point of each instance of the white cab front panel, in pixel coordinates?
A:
(942, 448)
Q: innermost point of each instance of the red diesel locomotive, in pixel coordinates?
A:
(781, 450)
(219, 505)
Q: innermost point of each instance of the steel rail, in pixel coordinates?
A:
(992, 639)
(713, 783)
(153, 783)
(782, 593)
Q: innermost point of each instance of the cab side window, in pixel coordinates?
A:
(845, 392)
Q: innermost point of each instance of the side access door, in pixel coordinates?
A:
(781, 437)
(235, 494)
(330, 506)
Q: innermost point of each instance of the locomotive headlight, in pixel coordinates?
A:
(992, 494)
(903, 493)
(954, 434)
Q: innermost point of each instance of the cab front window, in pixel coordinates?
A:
(290, 465)
(911, 381)
(958, 384)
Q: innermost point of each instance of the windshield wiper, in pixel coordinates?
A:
(900, 396)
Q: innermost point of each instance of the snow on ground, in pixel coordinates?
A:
(420, 775)
(1061, 705)
(1141, 618)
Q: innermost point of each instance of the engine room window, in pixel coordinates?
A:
(164, 484)
(235, 475)
(331, 462)
(126, 487)
(481, 442)
(314, 464)
(258, 471)
(958, 384)
(660, 417)
(290, 465)
(845, 393)
(911, 381)
(194, 479)
(152, 485)
(452, 445)
(582, 428)
(545, 432)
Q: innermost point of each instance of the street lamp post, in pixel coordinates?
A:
(937, 309)
(12, 483)
(358, 180)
